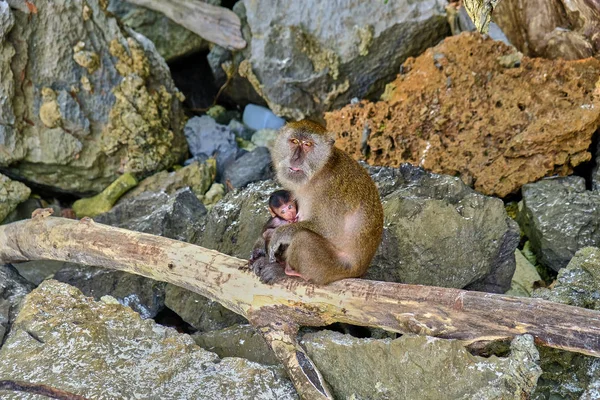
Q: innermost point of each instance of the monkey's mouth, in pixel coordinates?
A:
(295, 170)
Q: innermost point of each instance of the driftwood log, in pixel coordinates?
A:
(278, 311)
(480, 12)
(212, 23)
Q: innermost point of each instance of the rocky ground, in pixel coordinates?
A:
(486, 160)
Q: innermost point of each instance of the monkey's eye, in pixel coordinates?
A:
(307, 144)
(294, 141)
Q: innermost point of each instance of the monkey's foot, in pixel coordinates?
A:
(268, 272)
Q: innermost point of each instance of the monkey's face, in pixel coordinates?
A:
(287, 211)
(300, 150)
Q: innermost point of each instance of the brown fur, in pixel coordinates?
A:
(340, 214)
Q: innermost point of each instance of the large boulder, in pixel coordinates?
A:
(13, 288)
(300, 63)
(178, 216)
(566, 375)
(171, 39)
(233, 224)
(419, 367)
(197, 176)
(143, 295)
(461, 108)
(439, 232)
(12, 193)
(203, 314)
(81, 100)
(559, 216)
(105, 350)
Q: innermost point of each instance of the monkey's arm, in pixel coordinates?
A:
(298, 250)
(282, 236)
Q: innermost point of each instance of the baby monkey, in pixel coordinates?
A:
(284, 210)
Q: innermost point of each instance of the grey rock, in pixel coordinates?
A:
(12, 193)
(419, 367)
(203, 314)
(143, 295)
(100, 350)
(264, 137)
(239, 90)
(171, 39)
(240, 130)
(234, 223)
(224, 116)
(13, 288)
(559, 216)
(301, 65)
(197, 176)
(178, 216)
(250, 167)
(98, 101)
(579, 283)
(596, 168)
(237, 341)
(569, 375)
(7, 89)
(439, 232)
(259, 117)
(525, 278)
(38, 271)
(206, 137)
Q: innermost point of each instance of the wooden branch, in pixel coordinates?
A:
(281, 336)
(36, 388)
(212, 23)
(278, 310)
(480, 12)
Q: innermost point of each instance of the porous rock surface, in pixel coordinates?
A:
(106, 351)
(298, 61)
(456, 110)
(82, 100)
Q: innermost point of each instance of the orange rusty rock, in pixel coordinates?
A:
(456, 110)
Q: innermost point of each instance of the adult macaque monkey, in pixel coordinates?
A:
(340, 219)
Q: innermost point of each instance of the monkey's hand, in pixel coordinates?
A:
(282, 237)
(268, 272)
(257, 253)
